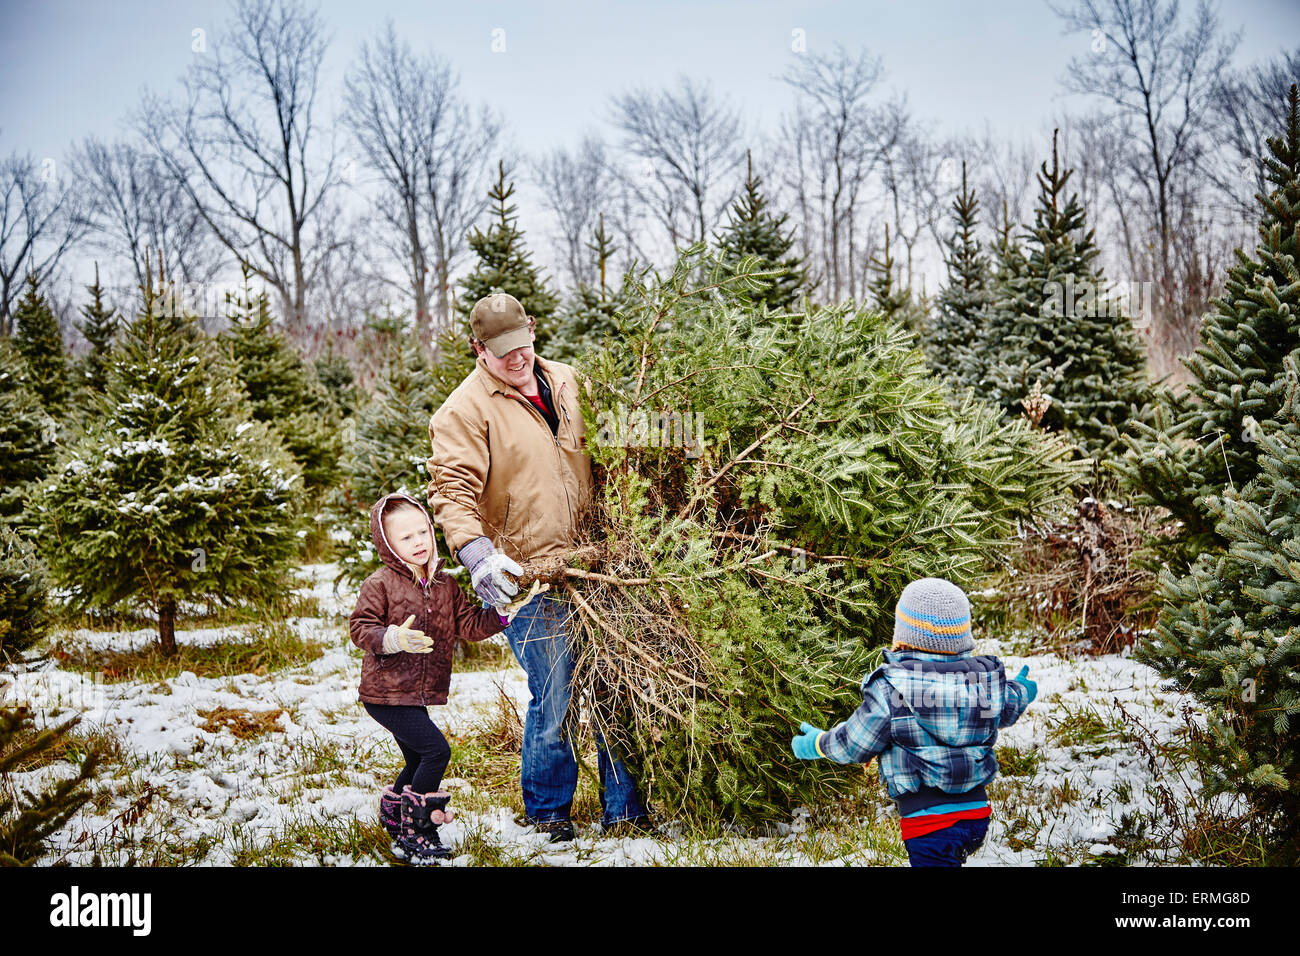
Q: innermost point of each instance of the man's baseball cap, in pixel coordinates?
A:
(500, 323)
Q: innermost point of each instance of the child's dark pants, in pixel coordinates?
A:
(949, 846)
(425, 748)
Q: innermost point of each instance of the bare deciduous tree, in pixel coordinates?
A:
(42, 215)
(688, 144)
(1162, 78)
(833, 142)
(430, 153)
(576, 188)
(139, 211)
(244, 146)
(1249, 107)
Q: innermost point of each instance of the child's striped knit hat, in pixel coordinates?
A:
(933, 615)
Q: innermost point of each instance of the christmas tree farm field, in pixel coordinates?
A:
(283, 767)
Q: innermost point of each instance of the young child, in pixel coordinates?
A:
(406, 620)
(932, 713)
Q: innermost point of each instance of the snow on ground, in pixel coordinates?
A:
(230, 796)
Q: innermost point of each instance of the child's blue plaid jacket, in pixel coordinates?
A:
(933, 719)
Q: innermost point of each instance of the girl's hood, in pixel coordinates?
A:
(382, 547)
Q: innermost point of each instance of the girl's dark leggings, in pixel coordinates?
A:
(425, 748)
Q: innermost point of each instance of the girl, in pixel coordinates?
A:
(406, 620)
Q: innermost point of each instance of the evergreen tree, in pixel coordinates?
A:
(25, 613)
(1228, 464)
(590, 317)
(505, 265)
(336, 374)
(1057, 326)
(753, 230)
(1205, 440)
(390, 448)
(171, 490)
(1229, 634)
(37, 336)
(28, 818)
(893, 301)
(27, 433)
(962, 301)
(99, 329)
(981, 358)
(284, 391)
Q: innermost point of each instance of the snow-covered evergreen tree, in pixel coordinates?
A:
(170, 491)
(390, 445)
(27, 433)
(25, 613)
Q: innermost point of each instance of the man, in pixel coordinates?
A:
(509, 477)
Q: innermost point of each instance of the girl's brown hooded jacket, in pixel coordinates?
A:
(390, 596)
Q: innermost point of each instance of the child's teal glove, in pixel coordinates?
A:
(1029, 685)
(805, 745)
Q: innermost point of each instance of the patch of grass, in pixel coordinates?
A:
(1013, 762)
(479, 844)
(489, 655)
(243, 723)
(270, 647)
(310, 838)
(1083, 727)
(73, 747)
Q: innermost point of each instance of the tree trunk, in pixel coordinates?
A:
(167, 626)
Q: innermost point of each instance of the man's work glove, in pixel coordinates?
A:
(805, 745)
(510, 610)
(487, 571)
(403, 637)
(1029, 685)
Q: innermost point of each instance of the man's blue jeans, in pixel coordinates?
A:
(549, 769)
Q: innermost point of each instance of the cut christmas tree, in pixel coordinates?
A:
(767, 486)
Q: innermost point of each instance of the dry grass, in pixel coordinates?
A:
(1078, 582)
(271, 647)
(243, 723)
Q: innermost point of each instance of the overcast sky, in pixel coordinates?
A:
(69, 68)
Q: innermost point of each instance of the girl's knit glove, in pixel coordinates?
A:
(1029, 685)
(805, 745)
(403, 637)
(487, 571)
